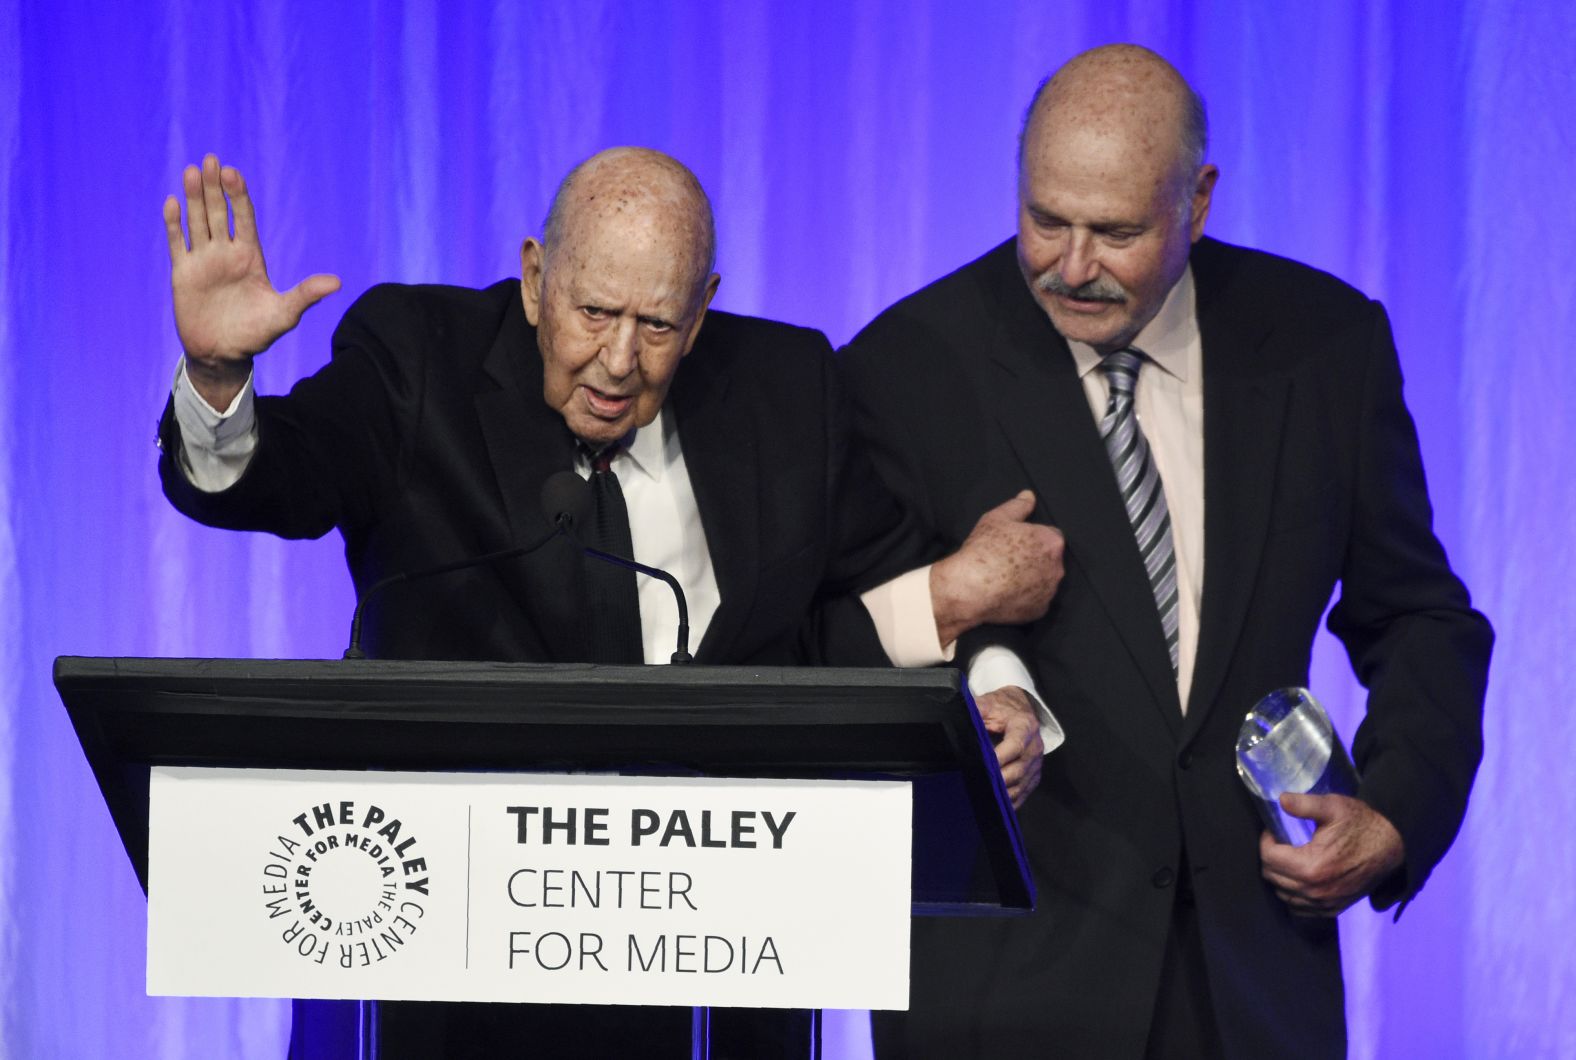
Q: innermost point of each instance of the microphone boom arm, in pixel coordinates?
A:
(681, 654)
(355, 652)
(562, 527)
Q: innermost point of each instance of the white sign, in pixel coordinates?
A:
(524, 887)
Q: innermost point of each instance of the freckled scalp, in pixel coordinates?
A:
(1127, 91)
(641, 190)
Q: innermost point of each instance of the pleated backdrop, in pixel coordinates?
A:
(854, 151)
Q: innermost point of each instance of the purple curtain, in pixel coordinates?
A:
(854, 152)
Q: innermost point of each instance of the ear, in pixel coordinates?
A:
(1203, 194)
(533, 274)
(707, 295)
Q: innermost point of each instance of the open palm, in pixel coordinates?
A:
(226, 310)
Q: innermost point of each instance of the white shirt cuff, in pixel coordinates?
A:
(905, 620)
(216, 446)
(996, 667)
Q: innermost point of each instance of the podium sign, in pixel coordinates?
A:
(528, 887)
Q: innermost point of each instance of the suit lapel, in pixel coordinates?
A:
(1046, 418)
(720, 453)
(1244, 410)
(526, 443)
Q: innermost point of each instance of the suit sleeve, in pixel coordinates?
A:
(891, 379)
(1413, 638)
(902, 395)
(328, 451)
(873, 538)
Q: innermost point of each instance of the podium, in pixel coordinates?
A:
(483, 719)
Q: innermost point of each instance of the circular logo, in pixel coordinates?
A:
(346, 884)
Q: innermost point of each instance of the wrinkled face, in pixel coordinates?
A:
(1104, 227)
(616, 306)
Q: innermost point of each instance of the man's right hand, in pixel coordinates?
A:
(226, 310)
(1014, 727)
(1005, 573)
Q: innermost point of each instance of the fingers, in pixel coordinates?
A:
(196, 216)
(213, 199)
(240, 204)
(1278, 862)
(1031, 780)
(1305, 900)
(1014, 770)
(1008, 713)
(1320, 808)
(1299, 906)
(207, 217)
(1313, 879)
(1302, 868)
(1021, 774)
(1338, 817)
(1296, 870)
(172, 228)
(1280, 866)
(999, 707)
(1014, 509)
(309, 292)
(1014, 740)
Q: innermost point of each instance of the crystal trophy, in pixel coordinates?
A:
(1288, 744)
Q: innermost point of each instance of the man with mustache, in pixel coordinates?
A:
(428, 435)
(1221, 436)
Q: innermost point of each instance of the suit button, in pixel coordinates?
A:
(1185, 759)
(1163, 877)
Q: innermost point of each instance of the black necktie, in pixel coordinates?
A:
(615, 604)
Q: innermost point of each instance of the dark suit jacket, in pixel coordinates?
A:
(1312, 480)
(426, 439)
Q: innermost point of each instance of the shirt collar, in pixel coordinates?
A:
(1164, 340)
(648, 446)
(645, 449)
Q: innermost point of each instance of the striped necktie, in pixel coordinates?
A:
(1139, 480)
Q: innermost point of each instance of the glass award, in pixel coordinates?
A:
(1288, 744)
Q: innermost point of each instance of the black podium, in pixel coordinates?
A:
(915, 725)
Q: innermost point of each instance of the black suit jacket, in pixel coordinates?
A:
(1312, 479)
(426, 439)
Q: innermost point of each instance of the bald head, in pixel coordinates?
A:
(1123, 90)
(642, 193)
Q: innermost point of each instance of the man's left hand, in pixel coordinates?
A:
(1010, 718)
(1352, 850)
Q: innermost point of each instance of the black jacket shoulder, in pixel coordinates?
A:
(428, 319)
(1292, 294)
(955, 303)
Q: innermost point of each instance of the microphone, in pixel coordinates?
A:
(566, 497)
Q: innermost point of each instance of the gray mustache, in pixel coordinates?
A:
(1094, 291)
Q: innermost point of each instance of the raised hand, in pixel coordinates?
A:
(1005, 573)
(226, 310)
